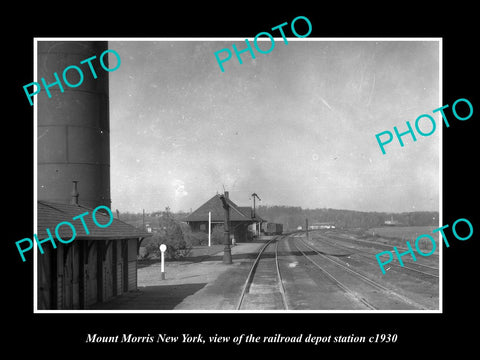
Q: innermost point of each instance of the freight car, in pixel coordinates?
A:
(269, 228)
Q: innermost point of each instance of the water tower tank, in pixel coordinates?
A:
(73, 126)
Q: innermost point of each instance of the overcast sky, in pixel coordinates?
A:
(297, 126)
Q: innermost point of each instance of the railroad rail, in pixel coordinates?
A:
(342, 286)
(410, 268)
(251, 279)
(373, 284)
(350, 238)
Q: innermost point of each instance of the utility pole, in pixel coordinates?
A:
(209, 228)
(254, 195)
(227, 252)
(306, 227)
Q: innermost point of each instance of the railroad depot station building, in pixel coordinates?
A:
(241, 218)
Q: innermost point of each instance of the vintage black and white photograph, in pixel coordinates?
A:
(207, 175)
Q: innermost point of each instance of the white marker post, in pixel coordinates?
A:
(209, 228)
(163, 247)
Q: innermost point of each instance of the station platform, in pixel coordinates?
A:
(199, 282)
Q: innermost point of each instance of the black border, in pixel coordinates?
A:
(417, 333)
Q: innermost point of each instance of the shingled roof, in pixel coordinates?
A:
(215, 206)
(247, 210)
(50, 214)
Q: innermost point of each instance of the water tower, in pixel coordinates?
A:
(73, 125)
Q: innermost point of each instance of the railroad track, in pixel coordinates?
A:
(371, 294)
(264, 288)
(414, 267)
(350, 238)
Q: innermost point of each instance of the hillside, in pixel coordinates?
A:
(292, 217)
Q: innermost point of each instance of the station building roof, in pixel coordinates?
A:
(50, 214)
(215, 206)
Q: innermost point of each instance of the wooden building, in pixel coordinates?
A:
(240, 217)
(93, 268)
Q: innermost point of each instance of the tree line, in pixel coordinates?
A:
(170, 229)
(294, 216)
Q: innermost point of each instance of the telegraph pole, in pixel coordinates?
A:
(254, 195)
(209, 228)
(227, 252)
(306, 227)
